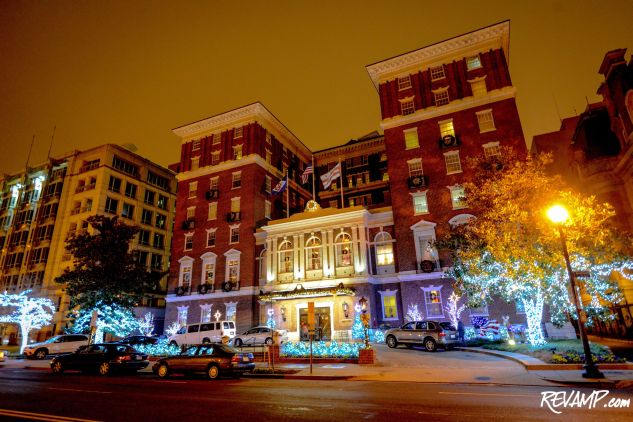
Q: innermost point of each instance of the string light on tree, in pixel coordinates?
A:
(454, 311)
(413, 314)
(30, 313)
(112, 319)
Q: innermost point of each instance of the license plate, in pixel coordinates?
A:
(246, 359)
(452, 335)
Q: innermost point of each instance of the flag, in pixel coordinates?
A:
(281, 186)
(307, 172)
(328, 177)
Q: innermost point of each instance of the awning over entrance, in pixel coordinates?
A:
(302, 292)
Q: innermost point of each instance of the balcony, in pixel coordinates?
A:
(84, 188)
(89, 167)
(212, 194)
(188, 224)
(233, 217)
(449, 141)
(418, 182)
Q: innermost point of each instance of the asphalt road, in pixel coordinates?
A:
(146, 398)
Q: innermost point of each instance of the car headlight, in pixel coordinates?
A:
(1, 354)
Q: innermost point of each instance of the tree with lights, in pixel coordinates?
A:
(146, 324)
(511, 249)
(30, 313)
(358, 329)
(172, 329)
(454, 311)
(413, 314)
(111, 319)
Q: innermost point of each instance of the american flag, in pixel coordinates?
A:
(328, 177)
(307, 172)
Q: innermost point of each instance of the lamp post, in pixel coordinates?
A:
(558, 215)
(365, 318)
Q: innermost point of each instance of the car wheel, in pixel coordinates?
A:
(237, 342)
(163, 371)
(41, 354)
(173, 343)
(392, 342)
(213, 372)
(104, 368)
(206, 340)
(268, 341)
(57, 367)
(430, 345)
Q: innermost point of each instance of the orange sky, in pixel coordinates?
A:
(130, 71)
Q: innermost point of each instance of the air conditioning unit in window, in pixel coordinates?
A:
(212, 194)
(417, 182)
(449, 141)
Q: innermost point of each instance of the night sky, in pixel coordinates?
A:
(130, 71)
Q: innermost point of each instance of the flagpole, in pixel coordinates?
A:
(313, 174)
(340, 174)
(287, 195)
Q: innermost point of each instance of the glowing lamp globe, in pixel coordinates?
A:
(557, 214)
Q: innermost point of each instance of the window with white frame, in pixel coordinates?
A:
(231, 311)
(437, 72)
(205, 312)
(182, 315)
(234, 234)
(211, 237)
(420, 205)
(446, 128)
(195, 163)
(343, 249)
(433, 301)
(191, 212)
(384, 249)
(269, 184)
(492, 151)
(313, 251)
(235, 204)
(425, 250)
(213, 211)
(389, 305)
(267, 209)
(407, 106)
(286, 257)
(213, 183)
(453, 163)
(184, 276)
(485, 120)
(411, 138)
(415, 167)
(404, 82)
(441, 97)
(237, 152)
(208, 268)
(232, 266)
(478, 86)
(238, 132)
(236, 180)
(195, 145)
(458, 197)
(473, 62)
(193, 188)
(217, 138)
(215, 158)
(188, 241)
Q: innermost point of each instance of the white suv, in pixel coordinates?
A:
(206, 332)
(59, 344)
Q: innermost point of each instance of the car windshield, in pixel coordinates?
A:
(51, 340)
(447, 326)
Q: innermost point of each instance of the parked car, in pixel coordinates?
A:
(258, 335)
(430, 334)
(59, 344)
(104, 358)
(212, 359)
(206, 332)
(137, 340)
(2, 353)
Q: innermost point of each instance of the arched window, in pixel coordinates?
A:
(285, 255)
(384, 249)
(343, 246)
(313, 254)
(262, 265)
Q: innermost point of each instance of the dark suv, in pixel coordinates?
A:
(430, 334)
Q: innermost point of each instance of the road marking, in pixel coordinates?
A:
(486, 394)
(41, 416)
(83, 391)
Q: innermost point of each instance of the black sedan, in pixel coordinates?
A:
(137, 340)
(103, 358)
(211, 359)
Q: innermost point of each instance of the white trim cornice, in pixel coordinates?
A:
(452, 107)
(492, 37)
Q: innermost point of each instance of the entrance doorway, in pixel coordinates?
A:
(322, 324)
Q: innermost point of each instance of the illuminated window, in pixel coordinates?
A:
(486, 121)
(188, 242)
(213, 183)
(458, 197)
(235, 204)
(195, 163)
(213, 211)
(195, 145)
(191, 213)
(473, 62)
(479, 87)
(389, 305)
(237, 152)
(446, 128)
(404, 82)
(384, 249)
(407, 107)
(215, 158)
(433, 301)
(453, 163)
(269, 157)
(236, 180)
(411, 138)
(437, 72)
(267, 209)
(182, 315)
(269, 183)
(231, 311)
(211, 237)
(441, 97)
(205, 312)
(233, 268)
(420, 205)
(286, 256)
(492, 150)
(415, 167)
(313, 254)
(193, 188)
(343, 248)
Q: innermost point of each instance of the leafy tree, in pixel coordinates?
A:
(112, 319)
(512, 250)
(31, 313)
(105, 271)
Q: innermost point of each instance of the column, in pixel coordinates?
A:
(330, 255)
(270, 274)
(362, 257)
(355, 249)
(302, 256)
(296, 268)
(274, 259)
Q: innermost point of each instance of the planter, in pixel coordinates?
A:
(366, 356)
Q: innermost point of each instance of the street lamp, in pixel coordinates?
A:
(365, 318)
(558, 215)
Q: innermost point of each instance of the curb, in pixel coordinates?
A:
(299, 377)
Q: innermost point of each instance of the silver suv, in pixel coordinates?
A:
(430, 334)
(59, 344)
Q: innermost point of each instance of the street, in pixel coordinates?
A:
(144, 397)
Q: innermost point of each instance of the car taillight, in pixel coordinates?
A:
(235, 359)
(122, 358)
(442, 334)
